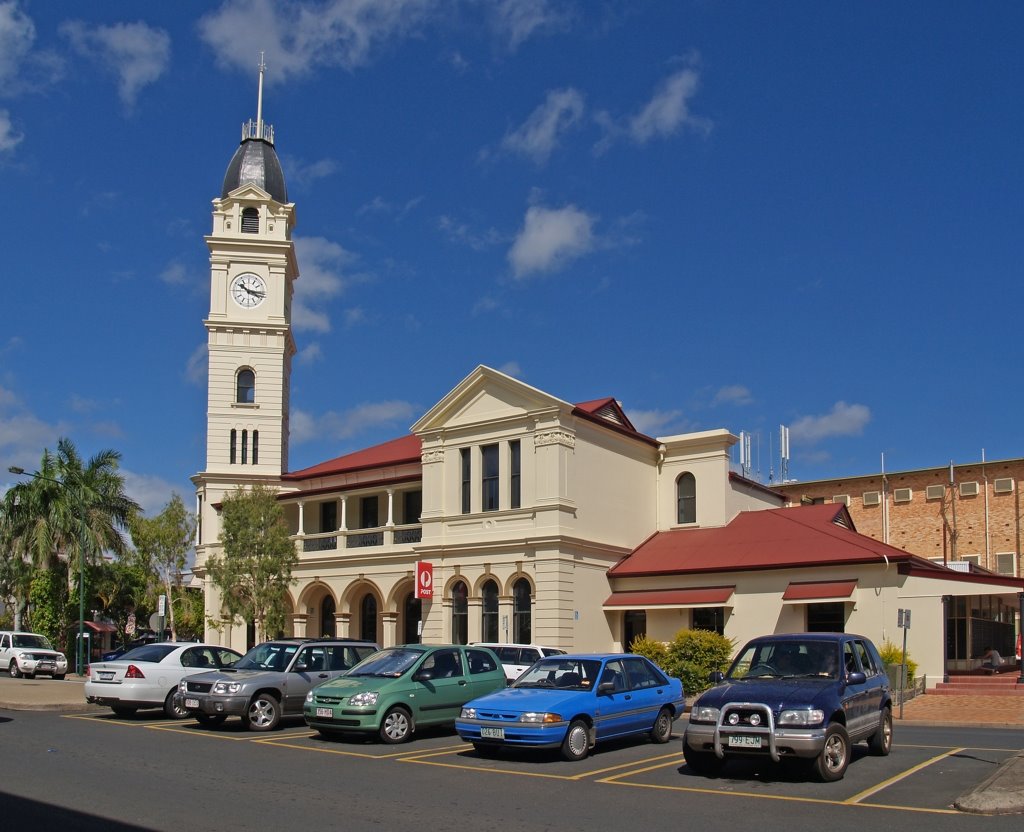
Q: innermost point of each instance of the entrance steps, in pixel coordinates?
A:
(981, 684)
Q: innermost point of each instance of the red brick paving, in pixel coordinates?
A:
(969, 709)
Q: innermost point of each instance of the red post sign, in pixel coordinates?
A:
(424, 579)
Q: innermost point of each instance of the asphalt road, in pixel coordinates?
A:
(93, 771)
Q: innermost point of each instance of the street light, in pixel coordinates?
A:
(79, 665)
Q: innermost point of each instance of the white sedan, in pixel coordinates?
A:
(148, 676)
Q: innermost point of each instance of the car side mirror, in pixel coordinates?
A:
(300, 667)
(716, 677)
(423, 675)
(856, 678)
(606, 687)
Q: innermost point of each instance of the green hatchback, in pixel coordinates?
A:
(399, 689)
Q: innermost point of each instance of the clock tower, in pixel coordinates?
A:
(250, 345)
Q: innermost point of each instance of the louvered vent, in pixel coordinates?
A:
(934, 492)
(1003, 485)
(968, 489)
(250, 221)
(841, 498)
(902, 495)
(610, 413)
(871, 498)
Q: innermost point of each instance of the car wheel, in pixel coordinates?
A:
(880, 743)
(172, 710)
(264, 713)
(210, 720)
(14, 670)
(576, 744)
(830, 765)
(123, 710)
(662, 730)
(396, 726)
(485, 750)
(702, 762)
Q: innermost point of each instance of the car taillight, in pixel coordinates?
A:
(87, 667)
(134, 673)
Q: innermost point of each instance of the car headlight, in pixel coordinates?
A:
(309, 696)
(804, 717)
(702, 713)
(366, 698)
(538, 718)
(24, 656)
(226, 687)
(468, 713)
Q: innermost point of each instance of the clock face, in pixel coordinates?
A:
(248, 290)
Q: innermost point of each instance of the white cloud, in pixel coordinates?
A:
(516, 21)
(136, 53)
(733, 394)
(196, 366)
(320, 263)
(9, 137)
(17, 35)
(511, 368)
(843, 420)
(174, 275)
(310, 354)
(652, 422)
(334, 425)
(538, 136)
(151, 492)
(307, 174)
(23, 435)
(463, 234)
(664, 115)
(484, 305)
(298, 36)
(550, 238)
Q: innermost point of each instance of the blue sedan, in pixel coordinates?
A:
(573, 702)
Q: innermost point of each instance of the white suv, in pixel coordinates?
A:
(26, 654)
(516, 659)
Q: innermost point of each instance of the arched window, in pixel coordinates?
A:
(250, 221)
(368, 618)
(245, 447)
(490, 611)
(245, 387)
(232, 451)
(460, 613)
(686, 498)
(255, 447)
(522, 629)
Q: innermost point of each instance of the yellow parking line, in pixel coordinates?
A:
(105, 720)
(901, 776)
(425, 762)
(674, 757)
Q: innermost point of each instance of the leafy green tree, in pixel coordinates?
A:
(119, 588)
(191, 613)
(69, 504)
(162, 544)
(254, 570)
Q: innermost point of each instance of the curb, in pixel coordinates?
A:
(1000, 794)
(64, 707)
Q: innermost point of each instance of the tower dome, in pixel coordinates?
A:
(255, 162)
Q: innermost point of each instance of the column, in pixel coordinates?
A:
(302, 518)
(342, 622)
(343, 514)
(389, 625)
(1020, 630)
(391, 507)
(299, 620)
(505, 618)
(946, 604)
(475, 623)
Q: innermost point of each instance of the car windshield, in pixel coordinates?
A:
(556, 672)
(31, 641)
(391, 663)
(786, 659)
(149, 653)
(268, 656)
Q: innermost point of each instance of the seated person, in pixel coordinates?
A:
(991, 660)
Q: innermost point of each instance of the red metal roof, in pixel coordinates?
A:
(646, 598)
(805, 590)
(817, 535)
(399, 451)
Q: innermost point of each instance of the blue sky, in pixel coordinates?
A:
(724, 214)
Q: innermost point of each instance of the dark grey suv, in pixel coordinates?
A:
(270, 681)
(801, 696)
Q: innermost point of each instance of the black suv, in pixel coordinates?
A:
(803, 696)
(270, 681)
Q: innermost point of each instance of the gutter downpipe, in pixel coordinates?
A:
(988, 553)
(885, 505)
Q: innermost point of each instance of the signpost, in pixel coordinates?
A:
(903, 622)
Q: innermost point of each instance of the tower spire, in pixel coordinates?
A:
(257, 129)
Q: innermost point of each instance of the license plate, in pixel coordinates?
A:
(493, 733)
(107, 676)
(191, 703)
(744, 742)
(327, 712)
(46, 666)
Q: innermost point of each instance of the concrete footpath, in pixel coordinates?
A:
(1002, 793)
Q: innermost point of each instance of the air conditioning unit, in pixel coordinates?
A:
(935, 492)
(902, 495)
(1003, 485)
(871, 498)
(1006, 563)
(841, 498)
(969, 489)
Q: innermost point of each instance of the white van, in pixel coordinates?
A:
(517, 658)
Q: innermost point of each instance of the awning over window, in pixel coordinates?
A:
(801, 593)
(99, 626)
(706, 596)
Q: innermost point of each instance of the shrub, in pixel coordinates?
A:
(656, 651)
(892, 655)
(693, 654)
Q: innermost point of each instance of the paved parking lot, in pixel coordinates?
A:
(921, 774)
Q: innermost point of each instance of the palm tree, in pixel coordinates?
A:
(66, 505)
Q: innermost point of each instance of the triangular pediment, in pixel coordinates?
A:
(247, 192)
(487, 395)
